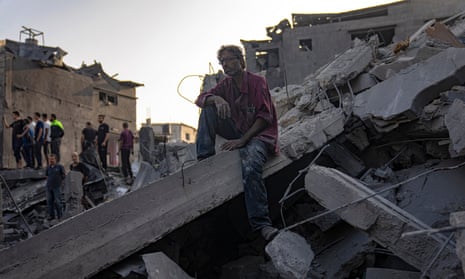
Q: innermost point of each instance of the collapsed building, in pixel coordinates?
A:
(370, 174)
(34, 78)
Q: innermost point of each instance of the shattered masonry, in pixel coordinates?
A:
(384, 134)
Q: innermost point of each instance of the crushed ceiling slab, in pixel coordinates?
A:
(410, 90)
(383, 221)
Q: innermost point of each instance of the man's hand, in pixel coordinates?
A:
(222, 107)
(233, 144)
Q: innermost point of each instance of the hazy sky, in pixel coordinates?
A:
(155, 42)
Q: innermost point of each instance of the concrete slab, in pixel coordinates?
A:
(458, 219)
(433, 196)
(72, 193)
(383, 221)
(410, 90)
(346, 66)
(290, 254)
(338, 260)
(311, 133)
(455, 121)
(159, 266)
(245, 267)
(20, 174)
(384, 273)
(85, 244)
(145, 176)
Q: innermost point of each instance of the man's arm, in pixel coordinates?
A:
(39, 135)
(259, 125)
(222, 107)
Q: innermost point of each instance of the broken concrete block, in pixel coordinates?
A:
(145, 176)
(72, 193)
(159, 266)
(291, 117)
(413, 56)
(458, 219)
(382, 220)
(291, 255)
(312, 133)
(410, 90)
(346, 66)
(284, 99)
(245, 267)
(424, 199)
(341, 258)
(455, 121)
(345, 160)
(363, 82)
(384, 273)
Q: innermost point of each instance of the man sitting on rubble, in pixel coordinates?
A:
(240, 109)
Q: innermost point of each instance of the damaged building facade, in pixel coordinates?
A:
(35, 78)
(312, 40)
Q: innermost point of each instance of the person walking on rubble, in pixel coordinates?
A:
(126, 145)
(55, 174)
(88, 137)
(240, 109)
(103, 133)
(16, 140)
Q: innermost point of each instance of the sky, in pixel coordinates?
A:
(156, 43)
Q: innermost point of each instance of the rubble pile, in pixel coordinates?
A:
(370, 175)
(382, 131)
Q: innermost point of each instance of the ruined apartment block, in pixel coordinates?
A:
(34, 78)
(297, 50)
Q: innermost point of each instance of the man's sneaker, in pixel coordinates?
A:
(269, 232)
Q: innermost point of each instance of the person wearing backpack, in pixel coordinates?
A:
(56, 132)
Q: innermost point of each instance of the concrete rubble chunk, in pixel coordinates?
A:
(245, 267)
(455, 121)
(159, 266)
(383, 221)
(346, 66)
(385, 71)
(405, 94)
(72, 193)
(340, 259)
(290, 254)
(312, 132)
(458, 219)
(145, 176)
(384, 273)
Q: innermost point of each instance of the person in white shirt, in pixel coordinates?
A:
(47, 137)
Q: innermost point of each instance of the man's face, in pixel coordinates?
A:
(231, 64)
(100, 119)
(52, 160)
(75, 158)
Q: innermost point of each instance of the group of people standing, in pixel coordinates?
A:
(98, 138)
(33, 137)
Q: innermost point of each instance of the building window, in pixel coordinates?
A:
(305, 45)
(108, 99)
(188, 137)
(266, 59)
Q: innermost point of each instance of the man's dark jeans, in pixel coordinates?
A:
(253, 158)
(102, 153)
(54, 202)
